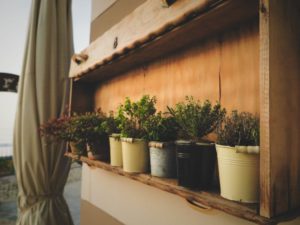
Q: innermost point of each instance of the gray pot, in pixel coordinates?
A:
(162, 159)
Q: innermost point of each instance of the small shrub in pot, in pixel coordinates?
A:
(196, 155)
(239, 129)
(162, 132)
(90, 130)
(111, 125)
(238, 157)
(132, 116)
(63, 129)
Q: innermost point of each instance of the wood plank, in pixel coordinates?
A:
(81, 97)
(195, 71)
(184, 17)
(214, 200)
(147, 18)
(280, 108)
(239, 68)
(189, 72)
(265, 173)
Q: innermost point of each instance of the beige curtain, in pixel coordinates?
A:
(41, 167)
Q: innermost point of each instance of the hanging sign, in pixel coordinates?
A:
(9, 82)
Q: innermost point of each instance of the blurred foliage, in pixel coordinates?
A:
(6, 166)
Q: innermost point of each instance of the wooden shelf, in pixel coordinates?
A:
(210, 199)
(168, 34)
(150, 33)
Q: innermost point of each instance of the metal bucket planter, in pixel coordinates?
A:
(239, 172)
(99, 150)
(162, 159)
(195, 164)
(135, 155)
(115, 144)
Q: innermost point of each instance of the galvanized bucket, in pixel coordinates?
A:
(162, 159)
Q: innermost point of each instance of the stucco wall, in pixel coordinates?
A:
(106, 13)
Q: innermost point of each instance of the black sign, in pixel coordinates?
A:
(9, 82)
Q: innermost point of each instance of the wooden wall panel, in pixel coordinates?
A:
(81, 97)
(280, 108)
(240, 70)
(195, 71)
(191, 72)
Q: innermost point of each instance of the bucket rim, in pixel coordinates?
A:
(240, 149)
(132, 140)
(184, 142)
(161, 144)
(205, 144)
(115, 135)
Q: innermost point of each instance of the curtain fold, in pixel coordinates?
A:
(41, 167)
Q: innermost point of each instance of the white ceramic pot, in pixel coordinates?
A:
(239, 172)
(115, 144)
(135, 155)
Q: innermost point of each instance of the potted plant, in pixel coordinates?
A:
(90, 130)
(238, 157)
(196, 154)
(62, 129)
(162, 132)
(132, 116)
(111, 125)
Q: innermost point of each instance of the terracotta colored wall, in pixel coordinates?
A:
(224, 67)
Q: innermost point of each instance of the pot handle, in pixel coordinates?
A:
(200, 207)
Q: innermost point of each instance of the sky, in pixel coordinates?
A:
(14, 19)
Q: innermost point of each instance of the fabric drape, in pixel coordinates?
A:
(41, 167)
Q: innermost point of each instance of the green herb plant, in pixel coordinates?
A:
(162, 128)
(133, 115)
(195, 119)
(111, 124)
(239, 129)
(89, 128)
(81, 129)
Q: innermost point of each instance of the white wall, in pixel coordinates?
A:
(134, 203)
(99, 6)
